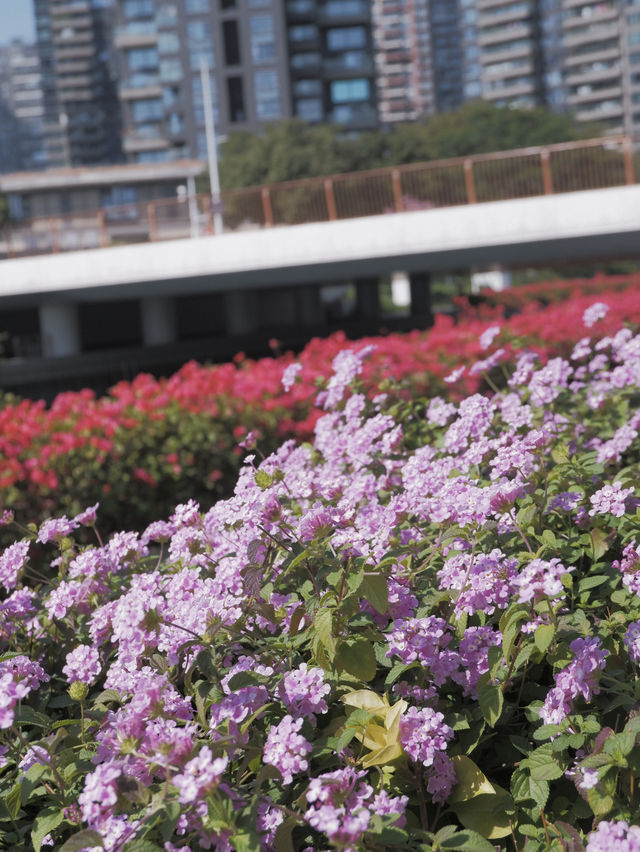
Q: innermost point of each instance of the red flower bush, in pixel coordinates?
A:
(158, 441)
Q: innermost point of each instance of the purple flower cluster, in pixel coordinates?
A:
(629, 566)
(610, 499)
(614, 836)
(286, 749)
(18, 677)
(303, 692)
(541, 578)
(12, 561)
(83, 664)
(579, 678)
(423, 733)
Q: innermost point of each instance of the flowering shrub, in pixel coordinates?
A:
(153, 443)
(419, 631)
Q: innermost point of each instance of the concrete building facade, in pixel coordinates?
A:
(21, 109)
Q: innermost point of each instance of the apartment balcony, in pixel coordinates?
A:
(136, 142)
(136, 93)
(604, 15)
(78, 21)
(75, 81)
(76, 94)
(597, 55)
(72, 39)
(139, 36)
(604, 111)
(72, 8)
(513, 32)
(595, 76)
(86, 51)
(586, 98)
(591, 33)
(482, 5)
(509, 92)
(522, 12)
(507, 53)
(506, 72)
(567, 5)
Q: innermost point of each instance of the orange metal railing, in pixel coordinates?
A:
(564, 167)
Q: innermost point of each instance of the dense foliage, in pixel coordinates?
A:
(152, 443)
(293, 149)
(420, 631)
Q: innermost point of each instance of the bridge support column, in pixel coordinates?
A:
(59, 330)
(309, 308)
(420, 286)
(238, 312)
(368, 298)
(159, 321)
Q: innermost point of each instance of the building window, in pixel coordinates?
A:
(236, 100)
(309, 109)
(167, 15)
(304, 32)
(141, 58)
(147, 109)
(304, 88)
(227, 4)
(231, 42)
(258, 4)
(170, 71)
(262, 38)
(196, 7)
(138, 8)
(347, 91)
(346, 37)
(305, 60)
(267, 93)
(168, 43)
(197, 54)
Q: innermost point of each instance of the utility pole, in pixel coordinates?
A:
(212, 151)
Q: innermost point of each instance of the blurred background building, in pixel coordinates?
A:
(111, 81)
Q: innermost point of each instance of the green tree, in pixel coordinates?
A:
(291, 149)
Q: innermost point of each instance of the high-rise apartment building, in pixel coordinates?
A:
(80, 99)
(161, 46)
(21, 109)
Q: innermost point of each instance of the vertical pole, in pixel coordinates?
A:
(468, 181)
(627, 150)
(547, 180)
(212, 151)
(153, 222)
(330, 199)
(397, 190)
(102, 228)
(194, 224)
(266, 206)
(55, 248)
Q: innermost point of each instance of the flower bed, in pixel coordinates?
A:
(420, 631)
(152, 443)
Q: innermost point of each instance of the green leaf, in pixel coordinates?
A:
(27, 716)
(471, 780)
(598, 543)
(282, 841)
(467, 841)
(560, 454)
(488, 814)
(142, 845)
(548, 538)
(491, 699)
(544, 637)
(357, 656)
(12, 800)
(375, 589)
(526, 516)
(543, 764)
(592, 582)
(45, 822)
(324, 626)
(263, 479)
(81, 840)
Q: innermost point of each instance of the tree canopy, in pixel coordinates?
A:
(293, 149)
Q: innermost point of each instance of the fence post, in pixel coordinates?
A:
(468, 181)
(627, 150)
(547, 180)
(266, 206)
(153, 222)
(397, 190)
(102, 228)
(10, 252)
(330, 199)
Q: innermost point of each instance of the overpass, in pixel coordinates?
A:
(257, 279)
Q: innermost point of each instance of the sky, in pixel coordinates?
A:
(16, 20)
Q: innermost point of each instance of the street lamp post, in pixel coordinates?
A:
(212, 151)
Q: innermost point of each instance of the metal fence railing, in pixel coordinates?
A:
(542, 170)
